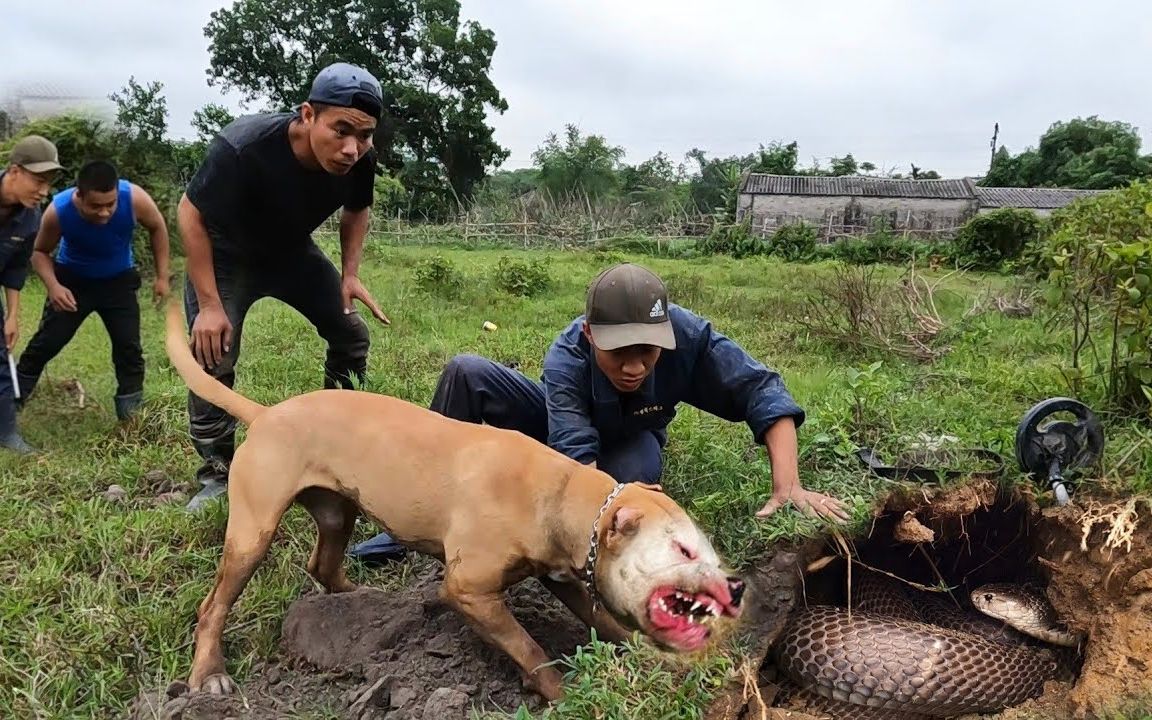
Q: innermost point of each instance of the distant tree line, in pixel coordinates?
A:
(438, 152)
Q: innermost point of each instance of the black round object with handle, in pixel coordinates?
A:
(1048, 449)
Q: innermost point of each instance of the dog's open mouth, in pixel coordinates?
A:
(683, 619)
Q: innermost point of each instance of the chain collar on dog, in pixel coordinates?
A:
(589, 572)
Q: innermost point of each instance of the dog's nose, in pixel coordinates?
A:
(736, 588)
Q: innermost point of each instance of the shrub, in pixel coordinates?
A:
(986, 242)
(735, 239)
(1098, 263)
(880, 248)
(860, 312)
(437, 274)
(794, 242)
(525, 279)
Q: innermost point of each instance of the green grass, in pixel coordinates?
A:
(98, 600)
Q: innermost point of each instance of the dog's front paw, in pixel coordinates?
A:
(545, 682)
(218, 684)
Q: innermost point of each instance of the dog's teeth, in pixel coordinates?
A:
(663, 605)
(695, 606)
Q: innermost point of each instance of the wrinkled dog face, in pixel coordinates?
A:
(659, 574)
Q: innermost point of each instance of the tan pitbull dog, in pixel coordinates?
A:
(494, 505)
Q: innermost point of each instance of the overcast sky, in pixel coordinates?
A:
(891, 81)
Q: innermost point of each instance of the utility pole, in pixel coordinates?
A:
(995, 135)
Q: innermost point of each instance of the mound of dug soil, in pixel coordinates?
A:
(377, 655)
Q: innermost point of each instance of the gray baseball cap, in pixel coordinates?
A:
(628, 305)
(35, 154)
(346, 85)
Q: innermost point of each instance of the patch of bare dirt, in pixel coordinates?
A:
(382, 655)
(1092, 559)
(1099, 560)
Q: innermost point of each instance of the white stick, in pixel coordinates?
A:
(12, 372)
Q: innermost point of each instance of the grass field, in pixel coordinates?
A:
(98, 599)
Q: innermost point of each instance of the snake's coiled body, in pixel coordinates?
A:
(882, 660)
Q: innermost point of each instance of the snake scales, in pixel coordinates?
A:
(903, 653)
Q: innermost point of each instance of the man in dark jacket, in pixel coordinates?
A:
(33, 166)
(611, 384)
(247, 217)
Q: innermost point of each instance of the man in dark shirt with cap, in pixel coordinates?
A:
(611, 384)
(33, 165)
(267, 182)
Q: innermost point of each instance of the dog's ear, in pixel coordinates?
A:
(625, 523)
(646, 486)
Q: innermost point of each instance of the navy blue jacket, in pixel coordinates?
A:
(17, 236)
(706, 370)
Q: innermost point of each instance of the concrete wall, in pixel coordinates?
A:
(1040, 212)
(772, 211)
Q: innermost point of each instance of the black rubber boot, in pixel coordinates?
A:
(10, 437)
(126, 405)
(213, 477)
(213, 473)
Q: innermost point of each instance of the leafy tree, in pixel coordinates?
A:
(656, 182)
(510, 183)
(144, 152)
(142, 111)
(1082, 153)
(210, 120)
(844, 166)
(777, 159)
(713, 189)
(579, 165)
(434, 70)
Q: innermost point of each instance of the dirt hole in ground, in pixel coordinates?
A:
(1092, 560)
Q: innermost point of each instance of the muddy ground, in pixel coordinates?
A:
(375, 655)
(402, 655)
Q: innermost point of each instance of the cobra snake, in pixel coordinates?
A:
(909, 654)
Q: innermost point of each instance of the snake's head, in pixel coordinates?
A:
(1014, 605)
(659, 574)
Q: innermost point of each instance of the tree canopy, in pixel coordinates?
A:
(1087, 153)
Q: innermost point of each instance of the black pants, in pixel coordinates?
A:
(114, 300)
(476, 389)
(306, 281)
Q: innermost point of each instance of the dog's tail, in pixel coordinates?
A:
(199, 381)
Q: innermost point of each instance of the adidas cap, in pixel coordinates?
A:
(628, 305)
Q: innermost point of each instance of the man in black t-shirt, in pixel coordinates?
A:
(246, 219)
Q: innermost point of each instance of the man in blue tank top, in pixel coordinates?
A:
(95, 271)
